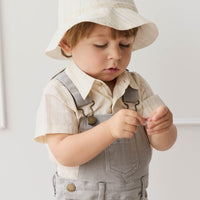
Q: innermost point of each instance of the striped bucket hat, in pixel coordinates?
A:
(117, 14)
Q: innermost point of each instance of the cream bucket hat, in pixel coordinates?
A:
(118, 14)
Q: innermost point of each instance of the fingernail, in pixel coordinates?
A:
(154, 118)
(150, 126)
(146, 123)
(148, 132)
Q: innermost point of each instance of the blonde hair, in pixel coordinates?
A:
(83, 29)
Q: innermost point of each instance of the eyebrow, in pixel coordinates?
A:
(101, 35)
(98, 35)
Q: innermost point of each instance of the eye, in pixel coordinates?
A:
(124, 45)
(100, 45)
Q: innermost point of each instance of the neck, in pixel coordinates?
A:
(111, 84)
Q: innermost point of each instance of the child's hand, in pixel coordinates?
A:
(159, 121)
(124, 123)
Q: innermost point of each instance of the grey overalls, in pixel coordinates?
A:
(120, 172)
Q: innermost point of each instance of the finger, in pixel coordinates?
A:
(127, 134)
(133, 113)
(158, 131)
(130, 128)
(152, 124)
(132, 121)
(160, 126)
(159, 113)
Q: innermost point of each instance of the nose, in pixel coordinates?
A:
(114, 53)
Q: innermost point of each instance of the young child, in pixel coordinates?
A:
(100, 121)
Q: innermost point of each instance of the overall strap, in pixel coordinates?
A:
(130, 95)
(66, 81)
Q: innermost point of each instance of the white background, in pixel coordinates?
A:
(170, 65)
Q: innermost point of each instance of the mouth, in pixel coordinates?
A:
(112, 70)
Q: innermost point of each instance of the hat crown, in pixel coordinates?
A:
(72, 9)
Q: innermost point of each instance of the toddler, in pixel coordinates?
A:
(100, 121)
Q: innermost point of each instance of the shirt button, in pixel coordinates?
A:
(99, 84)
(71, 187)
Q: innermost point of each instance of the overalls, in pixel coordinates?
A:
(120, 172)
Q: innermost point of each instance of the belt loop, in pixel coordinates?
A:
(143, 192)
(102, 188)
(54, 184)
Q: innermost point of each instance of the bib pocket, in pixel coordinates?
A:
(122, 157)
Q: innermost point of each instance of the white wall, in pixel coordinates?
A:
(169, 65)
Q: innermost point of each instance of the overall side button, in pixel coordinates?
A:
(71, 187)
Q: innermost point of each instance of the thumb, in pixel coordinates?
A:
(158, 113)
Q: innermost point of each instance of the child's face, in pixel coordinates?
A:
(101, 56)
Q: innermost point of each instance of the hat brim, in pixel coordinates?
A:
(119, 19)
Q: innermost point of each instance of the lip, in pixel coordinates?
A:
(112, 70)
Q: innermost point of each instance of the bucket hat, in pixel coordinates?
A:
(117, 14)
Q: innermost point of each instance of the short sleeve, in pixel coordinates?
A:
(54, 116)
(150, 101)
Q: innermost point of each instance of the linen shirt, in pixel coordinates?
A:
(58, 113)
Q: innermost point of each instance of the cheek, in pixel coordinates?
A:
(89, 61)
(96, 57)
(127, 57)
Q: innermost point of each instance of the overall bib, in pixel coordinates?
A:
(120, 172)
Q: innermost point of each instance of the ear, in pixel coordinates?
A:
(65, 47)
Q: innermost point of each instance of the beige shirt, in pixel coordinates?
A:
(57, 112)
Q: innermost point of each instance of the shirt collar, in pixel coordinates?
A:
(127, 79)
(133, 82)
(80, 79)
